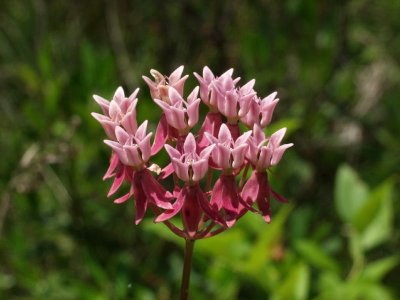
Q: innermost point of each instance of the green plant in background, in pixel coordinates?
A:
(337, 69)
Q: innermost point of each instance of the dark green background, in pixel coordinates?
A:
(336, 67)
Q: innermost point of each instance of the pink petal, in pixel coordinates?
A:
(193, 113)
(122, 135)
(129, 122)
(221, 156)
(178, 118)
(114, 162)
(168, 170)
(154, 191)
(181, 169)
(176, 75)
(104, 104)
(118, 180)
(190, 144)
(118, 149)
(160, 136)
(251, 189)
(141, 131)
(205, 206)
(224, 135)
(277, 137)
(179, 85)
(114, 111)
(145, 147)
(278, 153)
(200, 168)
(264, 160)
(119, 95)
(132, 155)
(172, 152)
(123, 198)
(176, 207)
(174, 96)
(238, 155)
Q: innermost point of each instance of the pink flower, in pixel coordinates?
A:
(120, 111)
(180, 114)
(259, 111)
(159, 87)
(190, 166)
(266, 152)
(228, 154)
(133, 150)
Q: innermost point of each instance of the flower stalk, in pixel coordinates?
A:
(187, 266)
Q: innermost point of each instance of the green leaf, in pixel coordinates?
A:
(380, 208)
(295, 285)
(313, 254)
(350, 193)
(378, 269)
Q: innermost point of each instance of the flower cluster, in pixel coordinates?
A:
(209, 170)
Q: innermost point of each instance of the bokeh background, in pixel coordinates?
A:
(336, 66)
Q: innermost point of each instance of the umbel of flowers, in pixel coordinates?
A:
(218, 174)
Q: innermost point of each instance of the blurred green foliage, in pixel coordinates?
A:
(337, 70)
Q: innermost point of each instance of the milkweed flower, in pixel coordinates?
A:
(211, 189)
(263, 153)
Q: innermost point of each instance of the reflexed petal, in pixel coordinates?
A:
(154, 191)
(123, 198)
(160, 136)
(114, 162)
(176, 207)
(118, 180)
(251, 189)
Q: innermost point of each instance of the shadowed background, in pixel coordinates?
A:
(336, 67)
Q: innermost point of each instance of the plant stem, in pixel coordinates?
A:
(187, 264)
